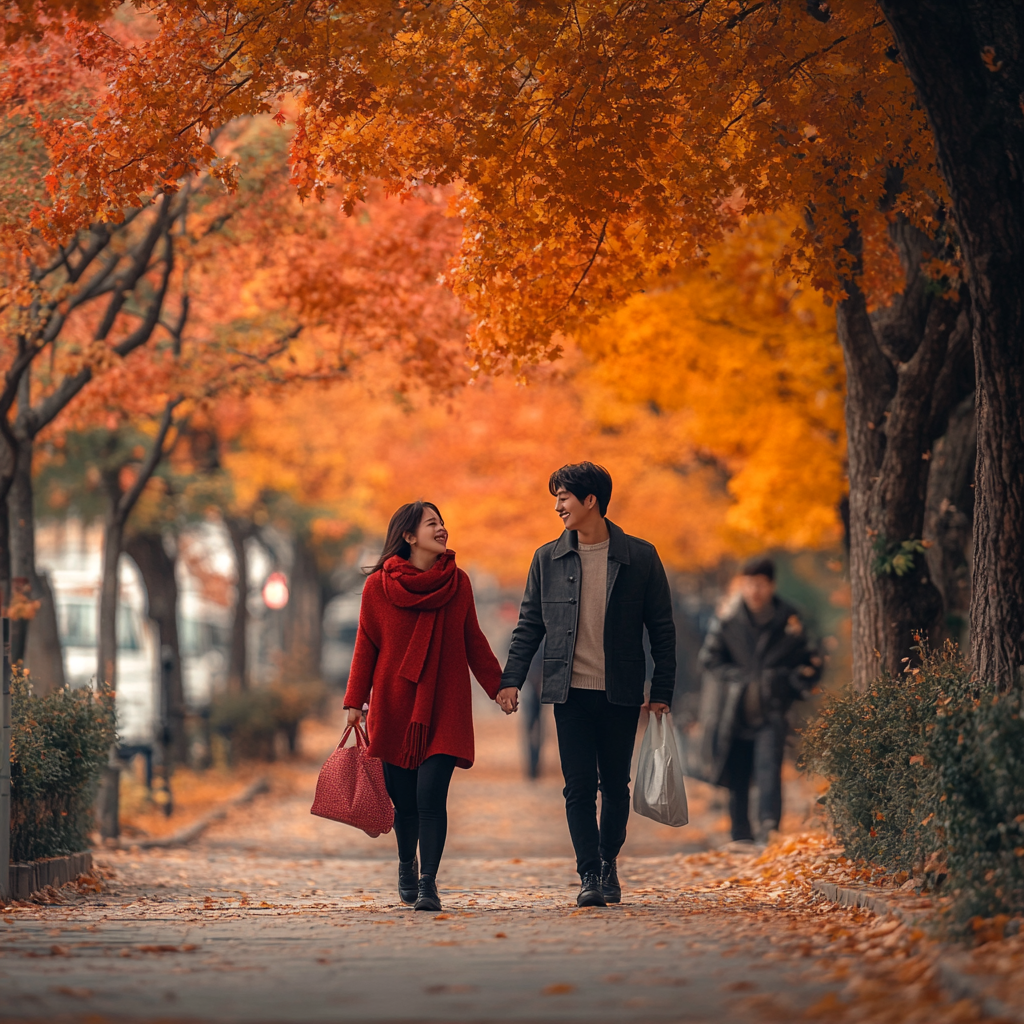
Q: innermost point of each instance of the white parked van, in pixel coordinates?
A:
(76, 593)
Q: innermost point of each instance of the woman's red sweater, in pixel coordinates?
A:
(385, 632)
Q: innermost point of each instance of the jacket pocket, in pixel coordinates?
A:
(559, 625)
(554, 679)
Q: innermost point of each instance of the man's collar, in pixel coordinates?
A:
(778, 615)
(618, 548)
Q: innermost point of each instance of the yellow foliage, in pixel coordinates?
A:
(715, 400)
(752, 366)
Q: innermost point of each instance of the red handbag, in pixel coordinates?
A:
(351, 788)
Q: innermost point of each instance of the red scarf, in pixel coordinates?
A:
(428, 592)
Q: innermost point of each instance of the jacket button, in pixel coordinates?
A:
(572, 579)
(572, 600)
(568, 631)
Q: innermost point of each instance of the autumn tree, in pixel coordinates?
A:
(101, 473)
(276, 293)
(93, 293)
(621, 140)
(367, 290)
(597, 145)
(967, 63)
(749, 362)
(87, 300)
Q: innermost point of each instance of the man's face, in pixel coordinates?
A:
(572, 511)
(757, 592)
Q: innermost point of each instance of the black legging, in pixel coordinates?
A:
(420, 796)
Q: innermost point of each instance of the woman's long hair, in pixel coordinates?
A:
(406, 520)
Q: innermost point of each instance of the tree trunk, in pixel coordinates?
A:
(949, 513)
(907, 367)
(238, 669)
(21, 515)
(967, 62)
(119, 508)
(113, 541)
(158, 573)
(43, 655)
(6, 467)
(304, 615)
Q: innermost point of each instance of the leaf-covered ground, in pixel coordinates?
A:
(274, 916)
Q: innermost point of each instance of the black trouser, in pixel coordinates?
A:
(420, 796)
(595, 745)
(758, 759)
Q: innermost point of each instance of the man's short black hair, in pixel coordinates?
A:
(581, 479)
(760, 566)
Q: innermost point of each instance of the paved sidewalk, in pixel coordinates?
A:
(520, 951)
(275, 917)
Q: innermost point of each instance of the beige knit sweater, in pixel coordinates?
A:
(588, 660)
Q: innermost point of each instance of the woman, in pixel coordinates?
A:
(418, 637)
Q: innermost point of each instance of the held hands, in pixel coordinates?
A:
(508, 699)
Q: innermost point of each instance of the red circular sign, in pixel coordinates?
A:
(275, 591)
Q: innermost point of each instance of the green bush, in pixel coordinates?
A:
(926, 773)
(294, 702)
(246, 720)
(59, 745)
(249, 720)
(974, 785)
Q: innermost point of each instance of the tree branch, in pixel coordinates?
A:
(586, 270)
(139, 265)
(45, 412)
(156, 454)
(142, 333)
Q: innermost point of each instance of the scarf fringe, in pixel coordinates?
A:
(415, 750)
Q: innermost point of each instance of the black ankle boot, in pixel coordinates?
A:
(610, 888)
(408, 880)
(590, 891)
(427, 898)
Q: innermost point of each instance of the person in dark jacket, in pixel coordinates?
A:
(757, 662)
(589, 596)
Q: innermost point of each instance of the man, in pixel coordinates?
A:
(589, 596)
(756, 662)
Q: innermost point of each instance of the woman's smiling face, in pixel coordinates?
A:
(431, 536)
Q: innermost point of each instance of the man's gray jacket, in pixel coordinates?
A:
(637, 596)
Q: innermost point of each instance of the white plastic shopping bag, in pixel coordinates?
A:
(659, 792)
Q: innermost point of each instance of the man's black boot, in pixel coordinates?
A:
(590, 891)
(427, 898)
(408, 880)
(610, 888)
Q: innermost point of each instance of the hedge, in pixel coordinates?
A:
(59, 745)
(249, 720)
(926, 774)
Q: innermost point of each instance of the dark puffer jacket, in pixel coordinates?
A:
(637, 596)
(773, 664)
